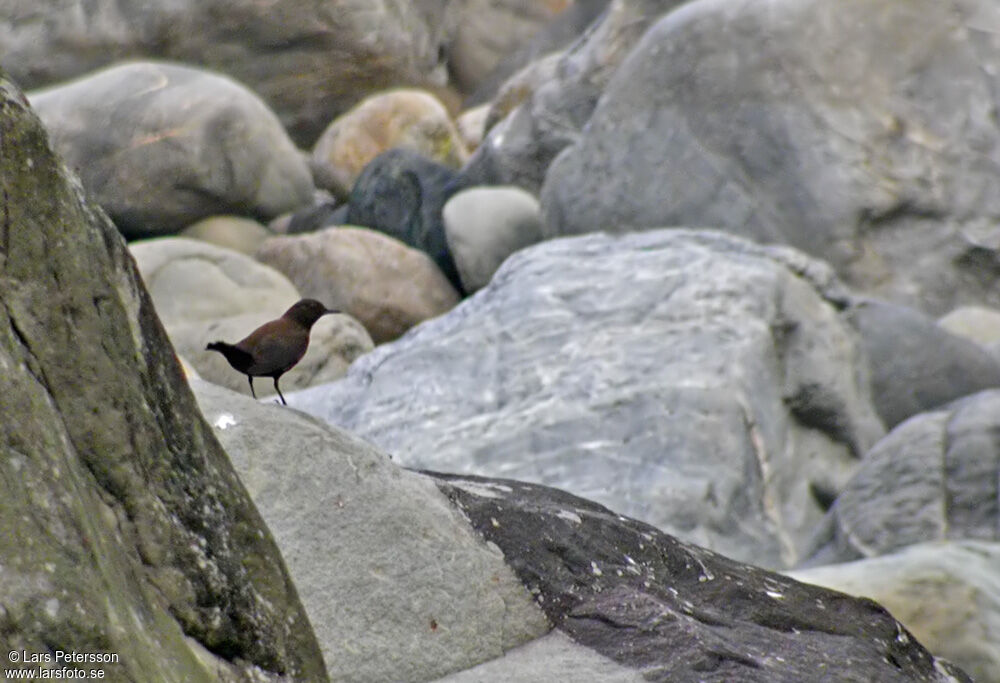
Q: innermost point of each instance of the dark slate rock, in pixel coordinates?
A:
(123, 527)
(935, 476)
(677, 612)
(864, 134)
(317, 217)
(403, 194)
(916, 364)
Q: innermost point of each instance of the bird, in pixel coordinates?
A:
(276, 346)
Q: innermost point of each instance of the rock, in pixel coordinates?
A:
(315, 218)
(471, 125)
(699, 382)
(514, 92)
(396, 584)
(411, 119)
(488, 30)
(934, 477)
(867, 142)
(308, 60)
(676, 612)
(191, 280)
(485, 225)
(553, 657)
(552, 38)
(230, 232)
(123, 528)
(917, 365)
(183, 144)
(975, 323)
(946, 594)
(205, 293)
(559, 97)
(387, 286)
(402, 194)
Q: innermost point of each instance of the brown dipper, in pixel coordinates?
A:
(276, 346)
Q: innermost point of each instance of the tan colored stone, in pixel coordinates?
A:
(471, 125)
(413, 119)
(232, 232)
(204, 293)
(385, 284)
(975, 323)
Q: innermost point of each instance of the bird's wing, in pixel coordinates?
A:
(275, 353)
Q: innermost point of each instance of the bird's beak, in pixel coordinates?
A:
(330, 310)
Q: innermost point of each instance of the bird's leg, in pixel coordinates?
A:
(252, 393)
(283, 401)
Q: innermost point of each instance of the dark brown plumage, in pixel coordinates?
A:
(276, 346)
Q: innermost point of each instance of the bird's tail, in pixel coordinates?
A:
(238, 358)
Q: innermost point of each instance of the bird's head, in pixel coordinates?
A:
(307, 311)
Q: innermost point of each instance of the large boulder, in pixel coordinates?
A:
(675, 612)
(396, 584)
(932, 478)
(123, 528)
(558, 97)
(160, 146)
(694, 380)
(946, 594)
(861, 133)
(309, 60)
(384, 284)
(205, 293)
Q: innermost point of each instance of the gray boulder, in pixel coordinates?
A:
(934, 477)
(864, 134)
(309, 60)
(916, 364)
(123, 528)
(946, 594)
(160, 146)
(485, 225)
(679, 613)
(396, 584)
(694, 380)
(519, 149)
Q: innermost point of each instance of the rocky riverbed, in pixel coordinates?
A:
(670, 347)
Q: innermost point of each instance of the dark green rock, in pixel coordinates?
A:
(123, 528)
